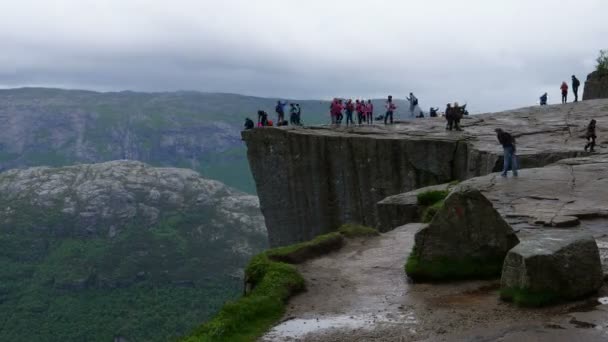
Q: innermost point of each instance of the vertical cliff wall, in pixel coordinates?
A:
(312, 181)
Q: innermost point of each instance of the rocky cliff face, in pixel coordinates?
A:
(311, 180)
(149, 241)
(596, 86)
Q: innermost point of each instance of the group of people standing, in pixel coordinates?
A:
(564, 89)
(364, 110)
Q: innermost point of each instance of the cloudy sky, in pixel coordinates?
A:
(492, 54)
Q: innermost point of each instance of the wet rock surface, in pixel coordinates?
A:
(310, 180)
(552, 266)
(466, 238)
(360, 293)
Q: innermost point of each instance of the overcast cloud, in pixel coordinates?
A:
(492, 54)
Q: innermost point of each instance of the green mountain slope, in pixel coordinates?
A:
(119, 249)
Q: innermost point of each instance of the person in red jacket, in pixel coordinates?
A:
(369, 109)
(564, 89)
(360, 108)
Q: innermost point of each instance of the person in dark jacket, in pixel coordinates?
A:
(433, 112)
(590, 136)
(449, 115)
(543, 99)
(510, 158)
(262, 118)
(249, 123)
(575, 84)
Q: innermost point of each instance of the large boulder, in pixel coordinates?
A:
(552, 266)
(467, 238)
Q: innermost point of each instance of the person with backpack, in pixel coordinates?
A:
(457, 114)
(509, 157)
(280, 110)
(369, 108)
(433, 112)
(390, 109)
(564, 88)
(413, 103)
(575, 84)
(590, 136)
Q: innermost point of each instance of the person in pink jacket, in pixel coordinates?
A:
(369, 111)
(564, 89)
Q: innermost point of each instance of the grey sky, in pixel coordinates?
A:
(492, 54)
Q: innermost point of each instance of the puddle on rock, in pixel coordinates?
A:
(299, 327)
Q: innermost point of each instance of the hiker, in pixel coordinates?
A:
(248, 124)
(449, 116)
(336, 111)
(433, 112)
(390, 109)
(590, 136)
(280, 110)
(543, 99)
(369, 109)
(359, 110)
(510, 158)
(457, 113)
(293, 114)
(575, 84)
(413, 103)
(262, 118)
(564, 89)
(298, 115)
(350, 108)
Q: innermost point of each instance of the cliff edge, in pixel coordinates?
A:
(310, 180)
(596, 86)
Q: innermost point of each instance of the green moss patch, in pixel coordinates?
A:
(443, 269)
(527, 298)
(301, 252)
(355, 230)
(430, 211)
(250, 316)
(431, 197)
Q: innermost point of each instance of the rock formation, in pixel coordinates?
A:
(596, 86)
(312, 180)
(552, 266)
(467, 238)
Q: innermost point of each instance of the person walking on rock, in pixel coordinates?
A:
(590, 136)
(575, 84)
(510, 158)
(564, 89)
(449, 116)
(299, 115)
(390, 109)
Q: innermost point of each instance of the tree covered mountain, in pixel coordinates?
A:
(119, 249)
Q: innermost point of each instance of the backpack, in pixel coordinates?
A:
(279, 109)
(415, 102)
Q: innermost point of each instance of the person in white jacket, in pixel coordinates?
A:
(413, 104)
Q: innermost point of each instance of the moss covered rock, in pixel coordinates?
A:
(550, 267)
(467, 238)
